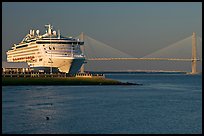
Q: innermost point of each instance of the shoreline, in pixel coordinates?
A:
(77, 81)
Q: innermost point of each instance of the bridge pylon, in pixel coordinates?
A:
(194, 55)
(82, 70)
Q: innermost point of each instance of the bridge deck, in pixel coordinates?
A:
(169, 59)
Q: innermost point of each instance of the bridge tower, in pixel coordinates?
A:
(83, 51)
(193, 65)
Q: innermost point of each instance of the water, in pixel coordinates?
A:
(165, 103)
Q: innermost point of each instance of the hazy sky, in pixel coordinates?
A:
(137, 28)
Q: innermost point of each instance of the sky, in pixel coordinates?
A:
(136, 28)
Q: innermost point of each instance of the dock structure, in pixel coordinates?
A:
(33, 74)
(15, 67)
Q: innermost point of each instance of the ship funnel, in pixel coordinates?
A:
(37, 32)
(49, 29)
(54, 32)
(31, 32)
(58, 34)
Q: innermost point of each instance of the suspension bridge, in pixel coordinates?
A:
(103, 52)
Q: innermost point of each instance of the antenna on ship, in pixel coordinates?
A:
(49, 28)
(51, 56)
(58, 34)
(50, 33)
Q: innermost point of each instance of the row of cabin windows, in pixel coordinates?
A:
(21, 46)
(60, 48)
(36, 60)
(13, 52)
(50, 48)
(80, 43)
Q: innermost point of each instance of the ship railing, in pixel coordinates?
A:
(33, 74)
(88, 75)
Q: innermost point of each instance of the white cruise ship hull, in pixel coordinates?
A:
(67, 65)
(50, 51)
(70, 66)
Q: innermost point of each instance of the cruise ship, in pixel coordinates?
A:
(49, 52)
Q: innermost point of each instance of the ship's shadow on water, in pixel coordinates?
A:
(164, 104)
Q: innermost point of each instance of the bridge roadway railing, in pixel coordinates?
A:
(168, 59)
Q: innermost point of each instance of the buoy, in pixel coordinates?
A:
(47, 118)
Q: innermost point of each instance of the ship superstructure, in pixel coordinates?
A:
(48, 51)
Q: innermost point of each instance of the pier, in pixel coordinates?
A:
(37, 74)
(34, 74)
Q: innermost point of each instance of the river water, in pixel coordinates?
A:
(164, 104)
